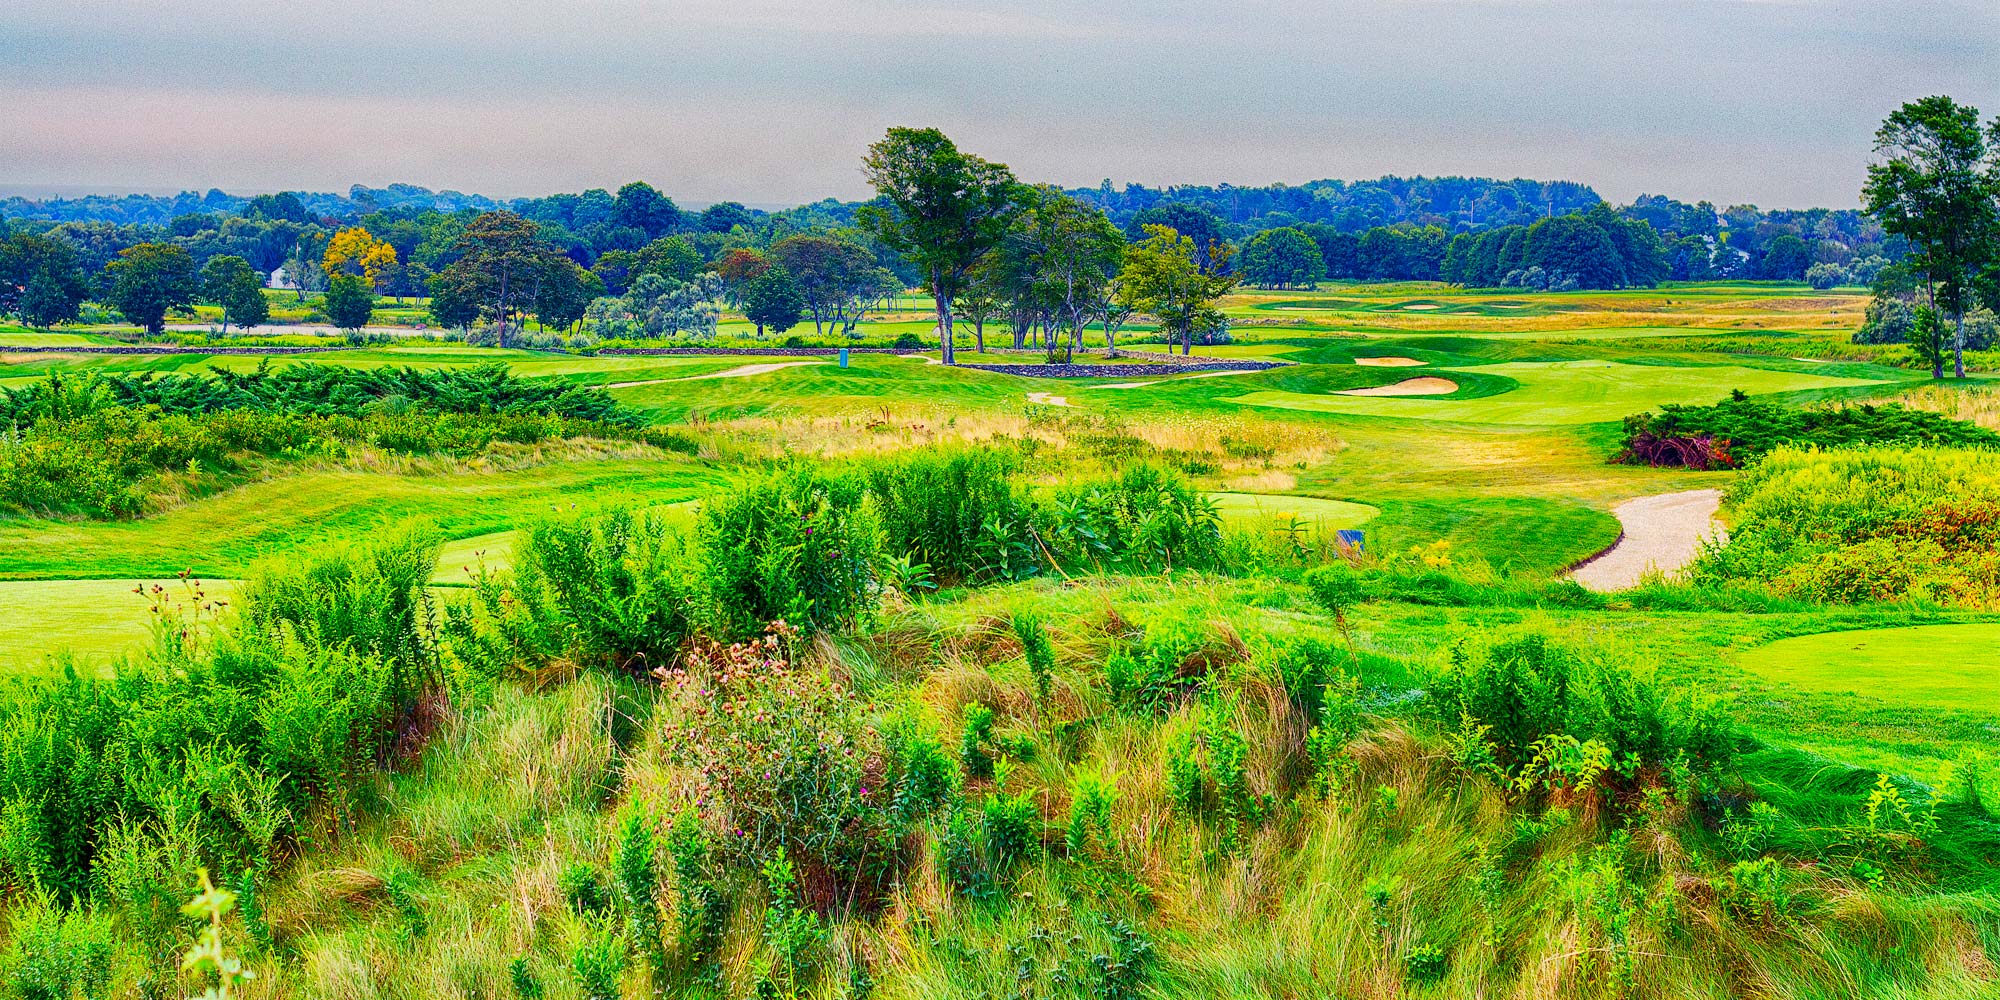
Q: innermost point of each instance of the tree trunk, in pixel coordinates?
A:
(979, 334)
(944, 325)
(1958, 345)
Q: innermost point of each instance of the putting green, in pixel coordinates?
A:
(1564, 392)
(1324, 513)
(1939, 666)
(95, 620)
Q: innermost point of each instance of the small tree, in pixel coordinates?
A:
(149, 280)
(349, 302)
(230, 282)
(1929, 342)
(355, 250)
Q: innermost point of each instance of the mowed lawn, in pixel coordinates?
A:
(1563, 392)
(93, 621)
(1936, 666)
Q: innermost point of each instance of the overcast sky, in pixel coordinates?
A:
(772, 102)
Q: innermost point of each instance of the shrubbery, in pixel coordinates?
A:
(103, 446)
(1735, 431)
(213, 753)
(1550, 718)
(1866, 524)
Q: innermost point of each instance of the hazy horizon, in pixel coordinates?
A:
(1768, 102)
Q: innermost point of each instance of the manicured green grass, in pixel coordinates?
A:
(1323, 514)
(1564, 392)
(224, 535)
(1942, 666)
(93, 621)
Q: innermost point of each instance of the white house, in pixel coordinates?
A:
(279, 279)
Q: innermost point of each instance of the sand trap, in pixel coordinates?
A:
(1046, 399)
(1389, 361)
(1661, 532)
(746, 370)
(1426, 386)
(1422, 306)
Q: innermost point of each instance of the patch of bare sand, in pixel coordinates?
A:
(1047, 399)
(1429, 385)
(1663, 533)
(747, 370)
(1389, 361)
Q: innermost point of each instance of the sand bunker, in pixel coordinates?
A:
(1389, 361)
(1047, 399)
(1422, 306)
(1426, 386)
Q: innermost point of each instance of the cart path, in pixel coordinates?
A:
(1662, 532)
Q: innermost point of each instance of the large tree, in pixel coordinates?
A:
(942, 209)
(1074, 251)
(838, 278)
(773, 301)
(230, 282)
(640, 206)
(41, 280)
(1283, 258)
(501, 264)
(1935, 187)
(349, 302)
(148, 280)
(1163, 277)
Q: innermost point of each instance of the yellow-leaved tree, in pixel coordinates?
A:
(355, 250)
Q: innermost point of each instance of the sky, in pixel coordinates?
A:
(772, 102)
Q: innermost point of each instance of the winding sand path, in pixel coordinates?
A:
(1661, 532)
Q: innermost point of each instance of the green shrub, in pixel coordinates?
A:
(582, 887)
(799, 545)
(57, 954)
(1147, 518)
(956, 509)
(1544, 708)
(788, 757)
(598, 965)
(1165, 665)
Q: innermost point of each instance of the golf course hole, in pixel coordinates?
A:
(1390, 361)
(1940, 666)
(1429, 385)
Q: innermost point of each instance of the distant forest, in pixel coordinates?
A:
(1473, 231)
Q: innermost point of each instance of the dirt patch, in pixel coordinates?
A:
(1389, 361)
(1429, 385)
(1663, 533)
(1046, 399)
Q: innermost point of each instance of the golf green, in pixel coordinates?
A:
(1939, 666)
(1310, 510)
(1564, 392)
